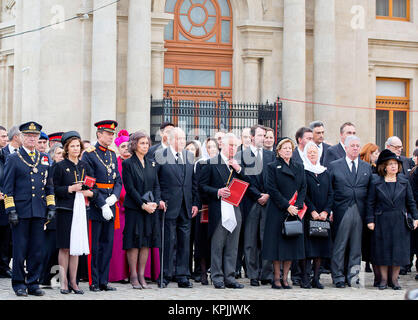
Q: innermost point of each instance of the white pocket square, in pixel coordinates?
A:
(279, 167)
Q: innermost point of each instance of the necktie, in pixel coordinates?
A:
(258, 162)
(353, 171)
(32, 155)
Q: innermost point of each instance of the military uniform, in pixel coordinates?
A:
(29, 195)
(104, 163)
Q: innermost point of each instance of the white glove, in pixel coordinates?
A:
(111, 200)
(107, 212)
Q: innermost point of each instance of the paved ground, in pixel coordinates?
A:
(199, 292)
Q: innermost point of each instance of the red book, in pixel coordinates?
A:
(89, 181)
(237, 188)
(301, 212)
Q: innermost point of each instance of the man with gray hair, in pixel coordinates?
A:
(15, 141)
(394, 144)
(350, 178)
(224, 219)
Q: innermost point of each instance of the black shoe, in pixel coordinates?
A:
(106, 287)
(254, 283)
(296, 282)
(65, 291)
(274, 286)
(219, 285)
(164, 284)
(340, 285)
(316, 284)
(75, 291)
(382, 286)
(397, 287)
(234, 285)
(368, 269)
(204, 279)
(94, 288)
(305, 285)
(36, 292)
(185, 284)
(265, 282)
(21, 293)
(124, 281)
(238, 275)
(284, 286)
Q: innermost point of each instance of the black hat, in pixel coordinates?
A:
(107, 125)
(69, 135)
(30, 127)
(55, 136)
(385, 155)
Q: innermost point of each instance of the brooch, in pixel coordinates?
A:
(68, 170)
(153, 164)
(279, 167)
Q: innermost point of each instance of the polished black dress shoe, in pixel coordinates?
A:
(396, 286)
(219, 285)
(316, 284)
(254, 283)
(65, 291)
(305, 285)
(234, 285)
(21, 293)
(75, 291)
(340, 285)
(266, 282)
(94, 288)
(204, 279)
(106, 287)
(185, 284)
(36, 292)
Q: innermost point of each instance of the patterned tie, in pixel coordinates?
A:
(32, 156)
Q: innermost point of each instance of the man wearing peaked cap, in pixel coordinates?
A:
(54, 138)
(27, 180)
(103, 215)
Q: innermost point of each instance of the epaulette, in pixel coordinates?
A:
(91, 149)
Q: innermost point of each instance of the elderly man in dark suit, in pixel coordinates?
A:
(338, 151)
(350, 178)
(254, 161)
(318, 132)
(224, 219)
(394, 144)
(179, 194)
(303, 136)
(15, 141)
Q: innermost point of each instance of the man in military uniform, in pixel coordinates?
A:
(54, 138)
(29, 199)
(103, 161)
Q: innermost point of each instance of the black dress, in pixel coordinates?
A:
(387, 205)
(66, 173)
(141, 228)
(283, 181)
(413, 179)
(319, 197)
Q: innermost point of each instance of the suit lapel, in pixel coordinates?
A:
(347, 173)
(399, 188)
(223, 169)
(286, 169)
(172, 160)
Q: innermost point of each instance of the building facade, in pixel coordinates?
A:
(329, 60)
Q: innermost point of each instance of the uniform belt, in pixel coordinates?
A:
(105, 185)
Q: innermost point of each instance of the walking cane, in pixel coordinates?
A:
(162, 247)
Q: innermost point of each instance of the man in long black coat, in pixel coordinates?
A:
(350, 178)
(179, 193)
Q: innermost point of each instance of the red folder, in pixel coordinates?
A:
(237, 188)
(89, 181)
(204, 217)
(301, 213)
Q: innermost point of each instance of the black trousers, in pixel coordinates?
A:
(177, 242)
(28, 237)
(5, 256)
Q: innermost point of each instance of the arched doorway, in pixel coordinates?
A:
(198, 60)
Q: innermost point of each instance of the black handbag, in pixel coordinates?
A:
(147, 197)
(409, 221)
(292, 228)
(319, 229)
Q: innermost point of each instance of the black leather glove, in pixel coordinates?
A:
(13, 218)
(50, 215)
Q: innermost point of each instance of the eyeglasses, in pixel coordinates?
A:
(397, 147)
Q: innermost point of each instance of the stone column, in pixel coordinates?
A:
(294, 65)
(139, 66)
(104, 51)
(251, 79)
(324, 61)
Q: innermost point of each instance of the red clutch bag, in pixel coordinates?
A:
(89, 181)
(301, 212)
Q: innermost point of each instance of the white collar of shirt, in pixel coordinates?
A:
(254, 150)
(164, 145)
(11, 149)
(349, 162)
(320, 149)
(300, 153)
(342, 145)
(175, 153)
(225, 159)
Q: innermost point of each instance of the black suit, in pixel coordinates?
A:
(224, 245)
(296, 156)
(255, 214)
(407, 165)
(349, 209)
(333, 153)
(180, 194)
(325, 148)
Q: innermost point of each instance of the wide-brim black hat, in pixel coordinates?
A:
(68, 135)
(386, 155)
(30, 127)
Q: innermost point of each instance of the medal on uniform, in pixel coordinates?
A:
(113, 166)
(109, 170)
(35, 170)
(114, 175)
